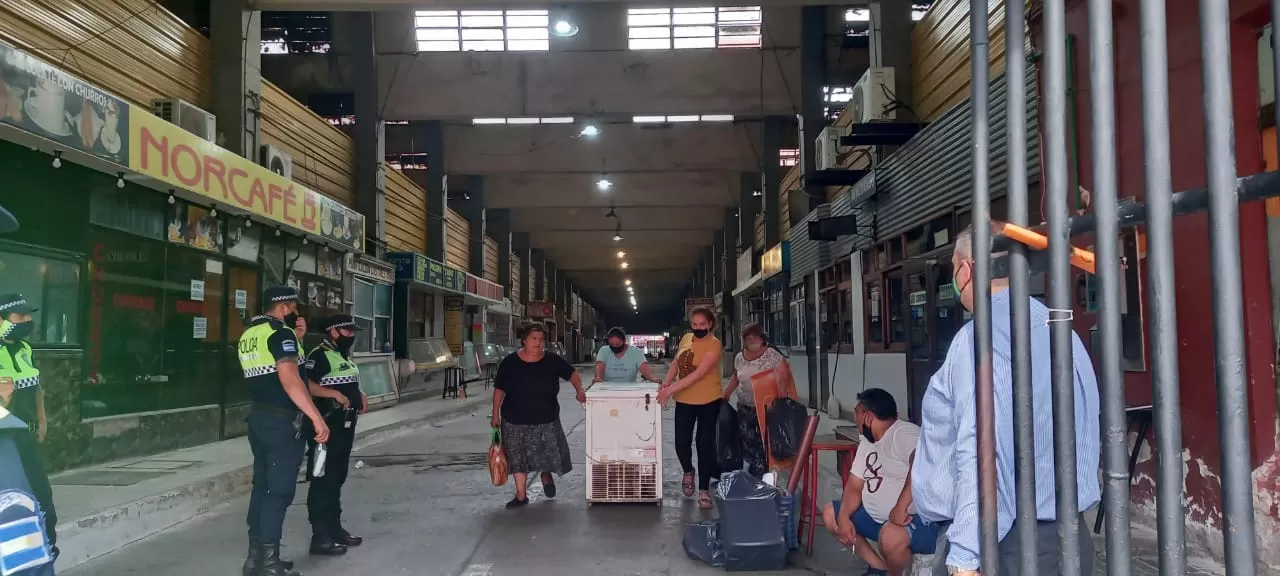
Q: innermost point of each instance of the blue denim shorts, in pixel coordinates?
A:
(923, 535)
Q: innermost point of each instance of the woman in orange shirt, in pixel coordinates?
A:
(696, 388)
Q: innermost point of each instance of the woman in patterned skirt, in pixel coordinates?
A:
(757, 356)
(525, 407)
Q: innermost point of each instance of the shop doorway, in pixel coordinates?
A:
(242, 304)
(933, 314)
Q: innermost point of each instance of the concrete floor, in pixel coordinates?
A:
(425, 505)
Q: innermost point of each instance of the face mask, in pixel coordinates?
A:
(344, 343)
(700, 333)
(754, 347)
(291, 320)
(866, 433)
(17, 331)
(617, 349)
(955, 285)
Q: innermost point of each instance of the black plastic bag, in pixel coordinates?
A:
(786, 420)
(701, 542)
(750, 531)
(728, 441)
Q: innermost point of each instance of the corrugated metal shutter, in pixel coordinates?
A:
(808, 255)
(130, 48)
(533, 283)
(457, 240)
(490, 259)
(406, 213)
(758, 239)
(323, 157)
(516, 294)
(934, 172)
(940, 70)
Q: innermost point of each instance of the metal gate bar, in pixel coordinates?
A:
(1170, 511)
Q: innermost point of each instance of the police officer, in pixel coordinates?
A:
(271, 360)
(335, 382)
(25, 548)
(20, 376)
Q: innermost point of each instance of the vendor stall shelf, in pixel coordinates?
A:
(624, 443)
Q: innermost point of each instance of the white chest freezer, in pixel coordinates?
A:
(624, 443)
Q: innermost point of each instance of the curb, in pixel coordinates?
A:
(111, 529)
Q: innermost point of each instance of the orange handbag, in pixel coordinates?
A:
(497, 460)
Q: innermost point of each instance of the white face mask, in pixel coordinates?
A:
(755, 347)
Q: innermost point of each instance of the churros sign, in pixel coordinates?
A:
(172, 155)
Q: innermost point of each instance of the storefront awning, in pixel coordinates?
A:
(752, 284)
(82, 123)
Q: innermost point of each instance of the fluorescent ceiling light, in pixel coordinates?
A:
(682, 118)
(648, 119)
(717, 117)
(523, 121)
(558, 120)
(688, 118)
(488, 121)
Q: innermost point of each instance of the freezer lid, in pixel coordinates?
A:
(622, 388)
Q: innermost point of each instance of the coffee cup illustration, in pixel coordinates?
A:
(46, 106)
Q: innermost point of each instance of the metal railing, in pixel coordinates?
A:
(1224, 191)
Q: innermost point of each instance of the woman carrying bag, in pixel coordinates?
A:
(757, 357)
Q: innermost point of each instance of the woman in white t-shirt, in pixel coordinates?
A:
(756, 357)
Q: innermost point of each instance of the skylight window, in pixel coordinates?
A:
(482, 30)
(788, 156)
(667, 28)
(835, 98)
(522, 121)
(682, 118)
(864, 14)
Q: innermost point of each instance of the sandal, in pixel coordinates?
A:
(686, 485)
(704, 500)
(548, 486)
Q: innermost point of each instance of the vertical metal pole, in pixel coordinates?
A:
(1024, 436)
(1115, 441)
(985, 392)
(1170, 513)
(1058, 207)
(1228, 310)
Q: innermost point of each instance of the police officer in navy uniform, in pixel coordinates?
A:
(270, 356)
(335, 383)
(25, 545)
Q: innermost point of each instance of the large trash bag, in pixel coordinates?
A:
(701, 542)
(786, 420)
(728, 442)
(750, 530)
(497, 459)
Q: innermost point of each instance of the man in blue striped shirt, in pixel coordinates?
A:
(946, 467)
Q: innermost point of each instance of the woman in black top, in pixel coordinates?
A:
(526, 408)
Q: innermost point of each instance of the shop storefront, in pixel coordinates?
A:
(775, 266)
(370, 283)
(426, 319)
(147, 249)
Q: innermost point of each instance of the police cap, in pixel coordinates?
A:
(278, 294)
(15, 304)
(340, 321)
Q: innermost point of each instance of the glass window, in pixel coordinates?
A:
(708, 27)
(50, 284)
(244, 242)
(897, 328)
(875, 320)
(482, 30)
(363, 310)
(129, 210)
(382, 316)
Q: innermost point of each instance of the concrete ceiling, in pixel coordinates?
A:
(674, 185)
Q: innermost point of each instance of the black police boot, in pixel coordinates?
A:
(323, 543)
(341, 536)
(271, 563)
(254, 559)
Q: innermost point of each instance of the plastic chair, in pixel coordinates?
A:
(845, 450)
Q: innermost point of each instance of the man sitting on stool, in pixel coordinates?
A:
(876, 504)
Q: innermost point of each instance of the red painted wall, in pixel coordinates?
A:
(1195, 323)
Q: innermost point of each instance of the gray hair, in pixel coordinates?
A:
(964, 241)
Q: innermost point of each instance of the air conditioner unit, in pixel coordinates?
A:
(276, 160)
(872, 96)
(187, 116)
(624, 443)
(827, 148)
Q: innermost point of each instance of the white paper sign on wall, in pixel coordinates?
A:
(197, 290)
(242, 299)
(200, 328)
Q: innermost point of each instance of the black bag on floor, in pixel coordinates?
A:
(728, 442)
(702, 543)
(786, 420)
(750, 531)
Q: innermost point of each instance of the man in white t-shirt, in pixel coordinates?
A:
(876, 504)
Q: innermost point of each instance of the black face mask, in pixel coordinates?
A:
(344, 343)
(866, 433)
(291, 320)
(20, 331)
(701, 333)
(617, 349)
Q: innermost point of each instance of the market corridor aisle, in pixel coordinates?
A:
(425, 506)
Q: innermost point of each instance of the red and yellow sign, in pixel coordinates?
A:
(179, 158)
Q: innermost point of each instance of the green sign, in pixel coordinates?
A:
(419, 268)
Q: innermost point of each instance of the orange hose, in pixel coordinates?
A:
(1080, 258)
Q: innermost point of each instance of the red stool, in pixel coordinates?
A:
(845, 450)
